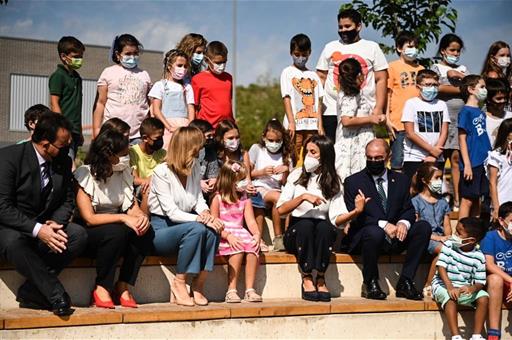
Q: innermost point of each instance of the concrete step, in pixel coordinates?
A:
(277, 318)
(278, 277)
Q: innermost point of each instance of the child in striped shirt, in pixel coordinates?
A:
(460, 276)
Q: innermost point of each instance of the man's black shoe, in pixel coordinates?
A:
(62, 306)
(372, 291)
(405, 288)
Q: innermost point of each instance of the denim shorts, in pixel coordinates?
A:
(258, 202)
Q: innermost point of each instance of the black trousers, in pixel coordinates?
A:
(40, 266)
(330, 124)
(108, 243)
(311, 241)
(373, 243)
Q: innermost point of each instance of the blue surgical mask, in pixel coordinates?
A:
(481, 95)
(429, 93)
(129, 61)
(411, 53)
(299, 62)
(451, 59)
(197, 58)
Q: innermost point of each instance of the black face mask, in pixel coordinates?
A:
(348, 37)
(495, 107)
(157, 144)
(375, 168)
(210, 142)
(63, 153)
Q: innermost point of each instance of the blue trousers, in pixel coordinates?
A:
(194, 244)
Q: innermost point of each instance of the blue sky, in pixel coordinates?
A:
(263, 28)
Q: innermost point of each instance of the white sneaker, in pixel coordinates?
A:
(477, 337)
(457, 337)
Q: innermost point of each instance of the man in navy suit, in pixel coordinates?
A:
(387, 224)
(36, 204)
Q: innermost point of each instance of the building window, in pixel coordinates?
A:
(28, 90)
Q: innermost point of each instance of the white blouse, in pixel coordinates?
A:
(325, 211)
(113, 196)
(168, 197)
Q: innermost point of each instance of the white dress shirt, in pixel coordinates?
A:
(168, 197)
(325, 211)
(44, 182)
(384, 176)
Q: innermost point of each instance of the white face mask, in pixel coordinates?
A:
(124, 162)
(458, 242)
(436, 186)
(273, 147)
(232, 144)
(503, 62)
(218, 68)
(311, 164)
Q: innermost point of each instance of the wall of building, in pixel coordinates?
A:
(40, 58)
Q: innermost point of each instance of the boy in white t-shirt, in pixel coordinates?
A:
(426, 122)
(367, 53)
(301, 90)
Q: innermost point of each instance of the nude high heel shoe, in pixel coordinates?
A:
(184, 300)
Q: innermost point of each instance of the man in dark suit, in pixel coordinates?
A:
(36, 204)
(387, 223)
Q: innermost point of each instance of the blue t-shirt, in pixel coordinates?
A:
(472, 120)
(500, 249)
(432, 213)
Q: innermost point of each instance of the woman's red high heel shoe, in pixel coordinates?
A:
(96, 301)
(129, 303)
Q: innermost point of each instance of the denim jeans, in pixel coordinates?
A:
(194, 244)
(397, 151)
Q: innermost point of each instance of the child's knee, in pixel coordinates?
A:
(482, 302)
(495, 282)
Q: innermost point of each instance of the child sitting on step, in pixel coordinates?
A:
(460, 277)
(431, 207)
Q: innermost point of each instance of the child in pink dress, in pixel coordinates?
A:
(232, 206)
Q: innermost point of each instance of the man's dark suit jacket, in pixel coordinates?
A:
(21, 201)
(399, 205)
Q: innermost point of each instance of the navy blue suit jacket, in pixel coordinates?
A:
(399, 205)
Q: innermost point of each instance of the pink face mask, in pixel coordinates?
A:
(178, 73)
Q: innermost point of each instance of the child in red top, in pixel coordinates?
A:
(213, 88)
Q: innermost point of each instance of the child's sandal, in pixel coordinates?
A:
(252, 296)
(232, 296)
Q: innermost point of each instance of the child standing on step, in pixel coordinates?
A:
(474, 146)
(431, 207)
(460, 277)
(233, 207)
(270, 164)
(172, 97)
(355, 120)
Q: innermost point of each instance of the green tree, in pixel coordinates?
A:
(425, 18)
(255, 105)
